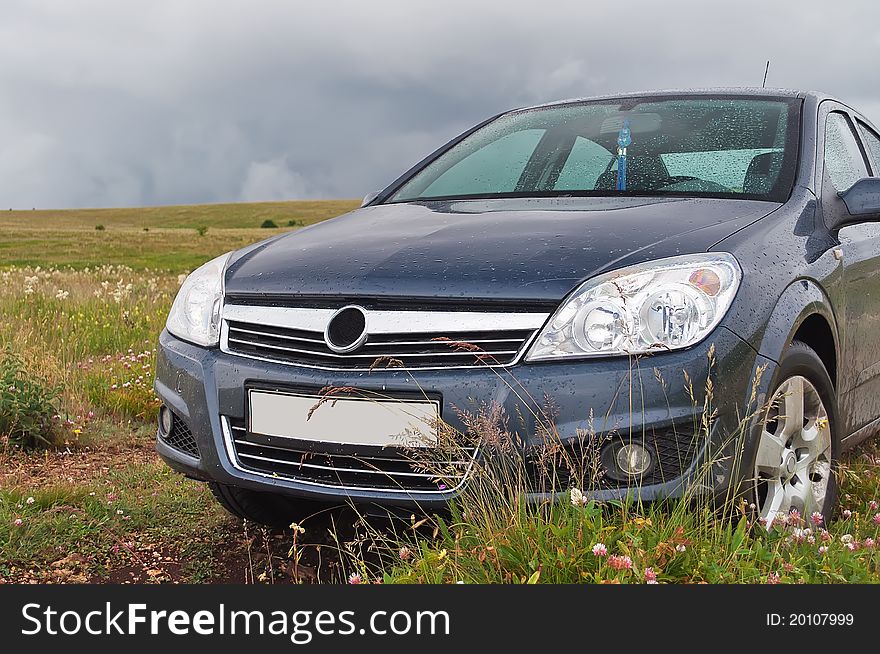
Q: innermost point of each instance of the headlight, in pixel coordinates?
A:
(661, 305)
(195, 314)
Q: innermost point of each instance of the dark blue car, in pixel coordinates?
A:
(690, 279)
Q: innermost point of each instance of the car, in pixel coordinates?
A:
(710, 239)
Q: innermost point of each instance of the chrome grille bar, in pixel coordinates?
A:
(388, 469)
(407, 339)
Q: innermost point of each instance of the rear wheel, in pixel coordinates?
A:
(268, 509)
(796, 459)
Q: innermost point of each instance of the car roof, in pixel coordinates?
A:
(739, 90)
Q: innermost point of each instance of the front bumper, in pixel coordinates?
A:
(204, 387)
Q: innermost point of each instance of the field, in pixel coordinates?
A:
(83, 296)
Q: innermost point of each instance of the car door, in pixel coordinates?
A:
(845, 162)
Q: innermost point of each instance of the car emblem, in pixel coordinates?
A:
(347, 329)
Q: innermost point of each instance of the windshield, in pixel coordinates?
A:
(684, 145)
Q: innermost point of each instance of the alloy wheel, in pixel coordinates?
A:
(793, 462)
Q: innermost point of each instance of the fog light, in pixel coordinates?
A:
(166, 420)
(625, 461)
(633, 460)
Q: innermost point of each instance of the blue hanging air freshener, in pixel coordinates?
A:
(624, 138)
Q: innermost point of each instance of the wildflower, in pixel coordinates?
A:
(816, 518)
(773, 578)
(873, 505)
(599, 549)
(650, 576)
(355, 578)
(29, 500)
(788, 567)
(404, 554)
(876, 518)
(794, 517)
(847, 514)
(62, 295)
(681, 548)
(297, 528)
(846, 539)
(119, 511)
(577, 497)
(826, 536)
(620, 562)
(869, 543)
(823, 549)
(18, 522)
(852, 546)
(800, 535)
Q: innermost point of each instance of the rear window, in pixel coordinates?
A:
(695, 146)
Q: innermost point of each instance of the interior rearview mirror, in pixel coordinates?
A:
(369, 197)
(863, 198)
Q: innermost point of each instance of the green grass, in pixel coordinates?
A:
(83, 308)
(214, 216)
(165, 238)
(678, 543)
(111, 523)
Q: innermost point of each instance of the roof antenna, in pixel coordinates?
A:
(766, 70)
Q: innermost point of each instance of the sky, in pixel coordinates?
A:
(107, 103)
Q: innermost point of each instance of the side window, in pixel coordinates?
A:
(843, 158)
(495, 168)
(586, 162)
(873, 143)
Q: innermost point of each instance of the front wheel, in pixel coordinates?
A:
(796, 459)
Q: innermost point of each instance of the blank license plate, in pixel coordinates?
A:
(343, 420)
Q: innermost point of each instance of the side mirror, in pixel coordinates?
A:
(863, 199)
(369, 197)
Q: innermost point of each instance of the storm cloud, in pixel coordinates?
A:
(107, 103)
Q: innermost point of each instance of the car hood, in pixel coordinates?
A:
(523, 250)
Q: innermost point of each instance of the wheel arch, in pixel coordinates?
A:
(804, 313)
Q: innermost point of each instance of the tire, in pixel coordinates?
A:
(806, 451)
(268, 509)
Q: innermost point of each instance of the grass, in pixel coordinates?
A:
(494, 536)
(666, 542)
(82, 308)
(176, 239)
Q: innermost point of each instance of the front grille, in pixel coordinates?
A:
(181, 438)
(342, 466)
(404, 349)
